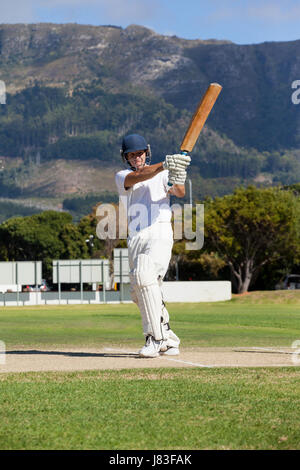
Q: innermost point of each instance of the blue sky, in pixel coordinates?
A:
(241, 21)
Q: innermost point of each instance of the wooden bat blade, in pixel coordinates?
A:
(201, 114)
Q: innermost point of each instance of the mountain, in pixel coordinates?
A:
(74, 90)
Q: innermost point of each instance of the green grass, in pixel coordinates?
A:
(243, 321)
(188, 408)
(152, 409)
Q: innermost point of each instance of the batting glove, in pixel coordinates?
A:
(177, 161)
(177, 176)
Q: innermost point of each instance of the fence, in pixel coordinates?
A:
(94, 271)
(97, 272)
(65, 297)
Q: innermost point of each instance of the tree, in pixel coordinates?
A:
(251, 228)
(75, 246)
(46, 236)
(87, 228)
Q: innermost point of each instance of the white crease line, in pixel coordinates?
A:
(184, 362)
(160, 357)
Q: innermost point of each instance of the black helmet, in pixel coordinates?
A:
(133, 143)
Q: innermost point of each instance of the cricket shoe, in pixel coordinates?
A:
(172, 342)
(151, 348)
(171, 351)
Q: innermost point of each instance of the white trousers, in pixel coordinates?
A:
(156, 242)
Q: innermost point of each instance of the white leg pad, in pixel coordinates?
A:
(148, 293)
(134, 297)
(165, 314)
(171, 339)
(132, 290)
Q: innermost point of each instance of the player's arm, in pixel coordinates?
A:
(175, 164)
(143, 174)
(177, 190)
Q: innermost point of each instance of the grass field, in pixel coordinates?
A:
(188, 408)
(252, 320)
(174, 409)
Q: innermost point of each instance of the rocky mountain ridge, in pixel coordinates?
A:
(116, 75)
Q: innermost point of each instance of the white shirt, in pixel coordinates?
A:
(147, 202)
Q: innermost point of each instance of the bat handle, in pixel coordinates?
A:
(183, 152)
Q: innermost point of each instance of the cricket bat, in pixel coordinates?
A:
(199, 118)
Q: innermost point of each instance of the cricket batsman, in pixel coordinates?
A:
(147, 189)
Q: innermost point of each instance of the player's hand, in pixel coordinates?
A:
(177, 161)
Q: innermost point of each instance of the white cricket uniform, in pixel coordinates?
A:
(150, 241)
